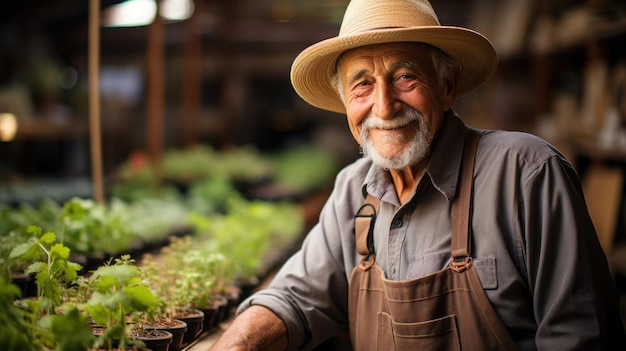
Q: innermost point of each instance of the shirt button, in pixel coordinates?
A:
(397, 223)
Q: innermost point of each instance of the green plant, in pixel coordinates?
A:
(184, 277)
(95, 229)
(248, 233)
(16, 332)
(119, 295)
(90, 228)
(150, 219)
(14, 222)
(304, 168)
(204, 275)
(8, 265)
(50, 264)
(26, 328)
(166, 276)
(68, 331)
(244, 163)
(214, 194)
(44, 214)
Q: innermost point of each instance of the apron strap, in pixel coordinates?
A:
(364, 226)
(365, 218)
(461, 205)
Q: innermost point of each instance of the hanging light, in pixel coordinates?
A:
(131, 13)
(176, 10)
(8, 126)
(136, 13)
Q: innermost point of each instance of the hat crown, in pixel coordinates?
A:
(367, 15)
(376, 22)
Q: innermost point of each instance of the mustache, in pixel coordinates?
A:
(400, 120)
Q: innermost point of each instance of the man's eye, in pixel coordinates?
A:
(404, 81)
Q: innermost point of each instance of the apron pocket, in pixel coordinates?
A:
(438, 334)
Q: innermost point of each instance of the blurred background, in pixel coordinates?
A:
(175, 74)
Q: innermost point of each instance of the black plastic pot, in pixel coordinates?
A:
(194, 319)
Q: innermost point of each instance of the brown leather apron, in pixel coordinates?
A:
(447, 310)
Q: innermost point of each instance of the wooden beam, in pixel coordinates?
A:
(94, 101)
(192, 78)
(155, 93)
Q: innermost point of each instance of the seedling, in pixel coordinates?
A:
(119, 294)
(50, 264)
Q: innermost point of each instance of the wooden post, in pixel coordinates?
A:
(155, 93)
(94, 101)
(192, 78)
(230, 104)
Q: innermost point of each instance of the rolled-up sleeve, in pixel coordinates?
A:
(309, 292)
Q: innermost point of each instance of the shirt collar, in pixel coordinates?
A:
(443, 168)
(446, 155)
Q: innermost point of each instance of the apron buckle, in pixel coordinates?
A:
(365, 264)
(460, 264)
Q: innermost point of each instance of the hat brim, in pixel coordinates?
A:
(314, 67)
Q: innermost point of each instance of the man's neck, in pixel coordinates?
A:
(405, 180)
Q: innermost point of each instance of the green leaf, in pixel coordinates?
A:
(16, 330)
(72, 331)
(142, 298)
(70, 273)
(12, 341)
(36, 268)
(48, 238)
(8, 292)
(115, 275)
(99, 314)
(21, 250)
(59, 250)
(75, 209)
(33, 230)
(49, 286)
(105, 283)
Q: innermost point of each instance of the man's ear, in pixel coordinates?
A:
(449, 88)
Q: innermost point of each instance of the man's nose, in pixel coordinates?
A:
(385, 100)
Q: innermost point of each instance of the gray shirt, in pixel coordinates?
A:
(533, 244)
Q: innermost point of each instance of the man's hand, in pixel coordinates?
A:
(257, 328)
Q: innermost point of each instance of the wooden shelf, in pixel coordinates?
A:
(596, 33)
(47, 129)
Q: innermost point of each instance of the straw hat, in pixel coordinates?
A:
(368, 22)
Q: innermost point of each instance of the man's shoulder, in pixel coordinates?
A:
(506, 137)
(355, 171)
(523, 147)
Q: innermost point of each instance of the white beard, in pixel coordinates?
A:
(415, 151)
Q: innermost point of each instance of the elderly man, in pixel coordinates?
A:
(442, 236)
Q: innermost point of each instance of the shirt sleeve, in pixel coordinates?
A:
(576, 304)
(310, 291)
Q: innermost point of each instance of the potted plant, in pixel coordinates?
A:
(255, 234)
(171, 282)
(204, 274)
(16, 332)
(160, 319)
(118, 295)
(68, 330)
(13, 269)
(92, 230)
(49, 322)
(50, 264)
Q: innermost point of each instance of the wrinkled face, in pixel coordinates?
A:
(394, 101)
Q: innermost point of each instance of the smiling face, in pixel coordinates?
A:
(394, 101)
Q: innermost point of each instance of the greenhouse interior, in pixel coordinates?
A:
(157, 148)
